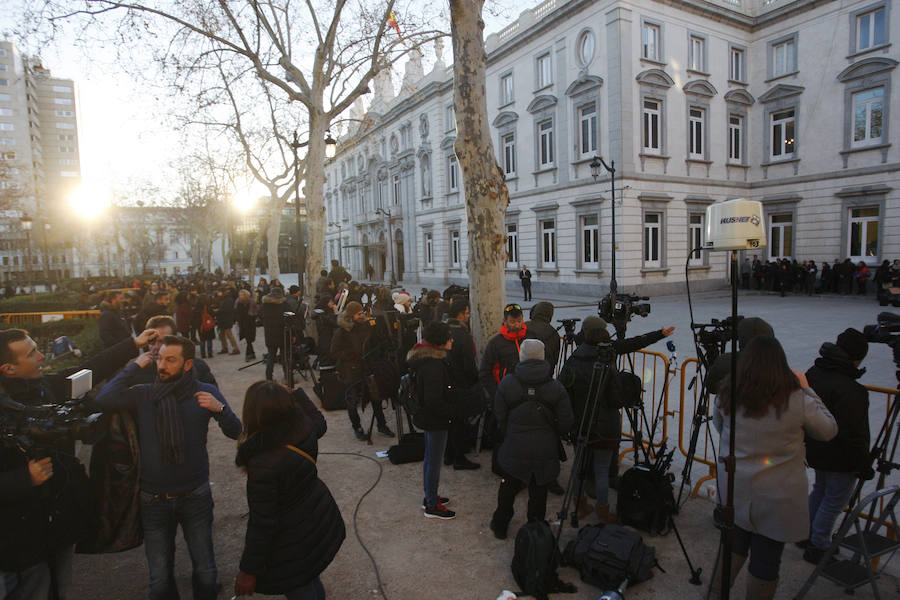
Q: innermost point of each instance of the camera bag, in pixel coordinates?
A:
(535, 561)
(605, 555)
(646, 500)
(410, 449)
(331, 388)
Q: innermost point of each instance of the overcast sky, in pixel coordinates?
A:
(123, 135)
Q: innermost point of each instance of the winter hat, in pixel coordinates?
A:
(531, 350)
(400, 297)
(592, 324)
(853, 343)
(353, 309)
(542, 311)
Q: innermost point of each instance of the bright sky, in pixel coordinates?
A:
(124, 139)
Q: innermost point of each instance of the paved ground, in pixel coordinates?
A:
(421, 559)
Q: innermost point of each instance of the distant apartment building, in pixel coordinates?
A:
(788, 102)
(39, 167)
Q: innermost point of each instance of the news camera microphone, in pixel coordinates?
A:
(670, 345)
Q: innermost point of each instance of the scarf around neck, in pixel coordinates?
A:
(166, 396)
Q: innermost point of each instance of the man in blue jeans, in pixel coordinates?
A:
(173, 416)
(839, 462)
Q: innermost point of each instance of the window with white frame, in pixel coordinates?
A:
(395, 194)
(548, 243)
(509, 154)
(429, 250)
(454, 249)
(868, 112)
(736, 64)
(544, 70)
(382, 199)
(784, 57)
(4, 82)
(6, 112)
(65, 125)
(451, 118)
(871, 29)
(63, 101)
(735, 138)
(62, 89)
(65, 137)
(650, 39)
(5, 97)
(697, 52)
(7, 141)
(64, 113)
(68, 173)
(652, 250)
(545, 147)
(512, 245)
(7, 127)
(695, 237)
(590, 242)
(863, 234)
(652, 127)
(452, 174)
(587, 132)
(66, 149)
(782, 130)
(696, 118)
(781, 235)
(506, 89)
(4, 67)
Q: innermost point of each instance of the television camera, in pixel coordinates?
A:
(619, 311)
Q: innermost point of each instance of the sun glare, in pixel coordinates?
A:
(246, 198)
(89, 201)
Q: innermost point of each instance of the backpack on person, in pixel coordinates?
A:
(409, 397)
(606, 555)
(207, 323)
(535, 561)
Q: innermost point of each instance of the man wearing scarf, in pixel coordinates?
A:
(173, 416)
(501, 355)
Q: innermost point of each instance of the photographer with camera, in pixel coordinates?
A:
(173, 416)
(838, 462)
(347, 347)
(42, 515)
(576, 376)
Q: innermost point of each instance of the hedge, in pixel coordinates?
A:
(53, 301)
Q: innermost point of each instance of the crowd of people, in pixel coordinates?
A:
(162, 398)
(808, 277)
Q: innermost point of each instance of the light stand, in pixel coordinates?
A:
(596, 164)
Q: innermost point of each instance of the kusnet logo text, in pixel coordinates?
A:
(751, 219)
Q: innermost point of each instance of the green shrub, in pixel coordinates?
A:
(54, 301)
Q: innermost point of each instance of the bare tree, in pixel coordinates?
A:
(485, 190)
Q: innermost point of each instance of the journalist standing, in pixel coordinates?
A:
(33, 547)
(111, 325)
(469, 395)
(245, 310)
(272, 316)
(295, 528)
(173, 415)
(540, 328)
(533, 411)
(775, 408)
(840, 461)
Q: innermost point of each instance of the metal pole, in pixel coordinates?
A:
(301, 267)
(613, 285)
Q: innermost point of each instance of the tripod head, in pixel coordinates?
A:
(886, 331)
(569, 326)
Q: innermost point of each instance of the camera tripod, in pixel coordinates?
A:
(568, 340)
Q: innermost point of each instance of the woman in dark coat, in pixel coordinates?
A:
(295, 528)
(245, 310)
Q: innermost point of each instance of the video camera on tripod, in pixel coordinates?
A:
(619, 311)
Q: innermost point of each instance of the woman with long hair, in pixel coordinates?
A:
(295, 528)
(775, 407)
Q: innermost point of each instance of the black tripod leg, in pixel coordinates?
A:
(695, 573)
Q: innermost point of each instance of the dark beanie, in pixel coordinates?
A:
(353, 309)
(592, 324)
(853, 343)
(542, 311)
(752, 327)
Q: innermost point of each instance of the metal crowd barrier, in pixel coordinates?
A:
(46, 317)
(651, 367)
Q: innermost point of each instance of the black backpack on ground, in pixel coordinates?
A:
(410, 449)
(330, 388)
(646, 500)
(535, 562)
(606, 555)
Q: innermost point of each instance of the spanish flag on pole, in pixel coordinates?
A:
(392, 22)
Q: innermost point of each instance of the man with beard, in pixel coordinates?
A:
(173, 416)
(164, 326)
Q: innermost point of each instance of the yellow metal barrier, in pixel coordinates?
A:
(890, 394)
(651, 367)
(46, 317)
(706, 451)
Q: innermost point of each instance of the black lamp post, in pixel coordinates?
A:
(27, 224)
(596, 165)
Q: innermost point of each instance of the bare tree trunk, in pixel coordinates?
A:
(313, 191)
(273, 230)
(486, 194)
(254, 257)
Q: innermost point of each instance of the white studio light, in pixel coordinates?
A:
(735, 225)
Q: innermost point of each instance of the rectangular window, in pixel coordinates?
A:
(4, 82)
(396, 189)
(651, 127)
(65, 137)
(66, 149)
(868, 111)
(506, 89)
(7, 127)
(781, 236)
(382, 199)
(695, 238)
(429, 251)
(4, 67)
(65, 125)
(5, 97)
(697, 51)
(454, 249)
(782, 135)
(68, 173)
(2, 51)
(863, 233)
(650, 41)
(652, 240)
(736, 65)
(587, 117)
(452, 173)
(545, 151)
(512, 245)
(735, 138)
(695, 133)
(6, 112)
(548, 243)
(870, 29)
(64, 101)
(590, 242)
(509, 155)
(544, 71)
(451, 118)
(7, 141)
(64, 113)
(62, 89)
(67, 162)
(784, 58)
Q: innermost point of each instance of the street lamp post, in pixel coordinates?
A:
(596, 164)
(27, 223)
(387, 223)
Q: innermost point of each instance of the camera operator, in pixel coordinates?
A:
(272, 315)
(576, 376)
(347, 347)
(747, 329)
(35, 549)
(464, 373)
(838, 462)
(325, 317)
(539, 328)
(111, 325)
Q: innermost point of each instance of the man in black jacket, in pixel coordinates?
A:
(501, 354)
(271, 314)
(540, 328)
(111, 325)
(525, 276)
(35, 548)
(464, 372)
(838, 462)
(158, 306)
